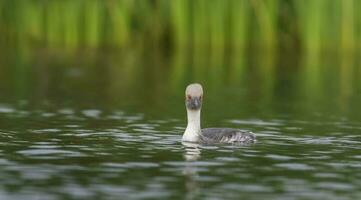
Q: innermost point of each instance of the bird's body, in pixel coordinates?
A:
(194, 133)
(226, 135)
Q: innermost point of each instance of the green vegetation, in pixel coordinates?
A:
(206, 26)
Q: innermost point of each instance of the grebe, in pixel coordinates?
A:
(194, 133)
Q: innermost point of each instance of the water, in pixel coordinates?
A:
(79, 130)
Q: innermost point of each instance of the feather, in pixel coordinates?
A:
(226, 135)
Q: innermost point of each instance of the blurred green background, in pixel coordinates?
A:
(311, 27)
(107, 48)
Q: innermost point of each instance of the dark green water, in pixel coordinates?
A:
(106, 127)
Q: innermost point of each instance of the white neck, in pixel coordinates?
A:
(193, 129)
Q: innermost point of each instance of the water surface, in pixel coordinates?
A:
(105, 130)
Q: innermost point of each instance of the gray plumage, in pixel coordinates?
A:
(226, 135)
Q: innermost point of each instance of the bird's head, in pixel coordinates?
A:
(194, 96)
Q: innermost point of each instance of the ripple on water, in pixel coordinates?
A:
(4, 162)
(66, 111)
(235, 172)
(143, 130)
(337, 186)
(278, 157)
(246, 187)
(194, 164)
(132, 119)
(49, 130)
(132, 157)
(49, 153)
(296, 185)
(47, 114)
(324, 175)
(295, 166)
(143, 126)
(26, 194)
(125, 137)
(72, 126)
(258, 122)
(6, 109)
(77, 191)
(141, 165)
(357, 157)
(149, 137)
(92, 113)
(228, 159)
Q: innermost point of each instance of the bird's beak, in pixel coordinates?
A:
(194, 103)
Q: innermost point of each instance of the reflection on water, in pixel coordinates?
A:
(91, 153)
(192, 151)
(110, 128)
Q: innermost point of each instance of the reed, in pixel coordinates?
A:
(206, 26)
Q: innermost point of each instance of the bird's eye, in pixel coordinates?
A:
(200, 98)
(189, 97)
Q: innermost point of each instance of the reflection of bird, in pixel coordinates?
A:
(192, 154)
(192, 151)
(194, 133)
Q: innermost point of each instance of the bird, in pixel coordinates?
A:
(193, 131)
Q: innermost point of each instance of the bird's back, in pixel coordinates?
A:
(226, 135)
